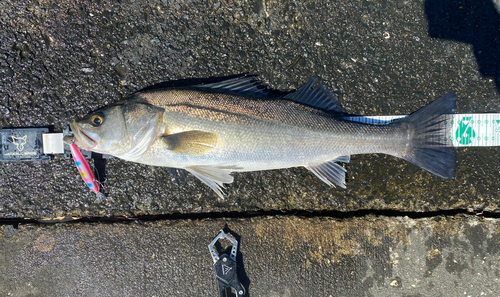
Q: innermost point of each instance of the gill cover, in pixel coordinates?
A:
(125, 129)
(142, 122)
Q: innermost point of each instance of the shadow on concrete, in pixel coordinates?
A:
(99, 169)
(474, 22)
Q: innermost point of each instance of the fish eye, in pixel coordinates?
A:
(96, 120)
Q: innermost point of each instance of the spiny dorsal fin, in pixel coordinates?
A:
(330, 172)
(320, 97)
(191, 142)
(243, 85)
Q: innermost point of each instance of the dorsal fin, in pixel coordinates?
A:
(243, 85)
(320, 97)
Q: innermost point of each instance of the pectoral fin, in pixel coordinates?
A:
(191, 142)
(330, 172)
(214, 176)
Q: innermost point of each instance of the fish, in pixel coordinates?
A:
(237, 125)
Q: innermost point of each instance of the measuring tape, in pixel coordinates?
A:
(474, 129)
(470, 129)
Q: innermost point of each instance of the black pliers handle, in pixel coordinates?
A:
(225, 266)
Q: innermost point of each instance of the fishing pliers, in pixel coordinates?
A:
(225, 266)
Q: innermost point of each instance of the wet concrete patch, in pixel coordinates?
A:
(282, 256)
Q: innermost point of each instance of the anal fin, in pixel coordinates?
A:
(330, 172)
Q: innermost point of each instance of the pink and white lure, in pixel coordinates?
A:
(84, 169)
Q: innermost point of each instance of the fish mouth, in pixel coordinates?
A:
(83, 139)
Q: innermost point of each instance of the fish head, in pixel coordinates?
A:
(120, 129)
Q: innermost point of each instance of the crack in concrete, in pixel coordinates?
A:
(253, 214)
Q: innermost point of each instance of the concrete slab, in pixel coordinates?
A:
(282, 256)
(60, 60)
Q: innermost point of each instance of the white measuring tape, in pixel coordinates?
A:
(474, 129)
(471, 129)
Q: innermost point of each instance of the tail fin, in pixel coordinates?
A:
(429, 148)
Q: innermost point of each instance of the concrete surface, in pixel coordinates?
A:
(60, 60)
(282, 256)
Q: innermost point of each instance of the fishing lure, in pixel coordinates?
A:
(84, 169)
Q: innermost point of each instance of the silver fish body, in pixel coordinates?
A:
(215, 129)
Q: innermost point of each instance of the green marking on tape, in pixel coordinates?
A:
(465, 133)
